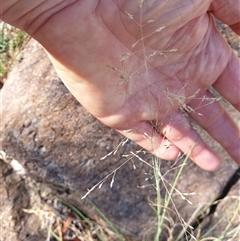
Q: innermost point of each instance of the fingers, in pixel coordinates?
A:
(227, 12)
(182, 135)
(177, 135)
(212, 117)
(147, 137)
(228, 84)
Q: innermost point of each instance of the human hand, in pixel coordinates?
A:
(141, 66)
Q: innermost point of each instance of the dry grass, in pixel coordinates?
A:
(68, 223)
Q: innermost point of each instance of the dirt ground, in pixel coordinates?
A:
(30, 210)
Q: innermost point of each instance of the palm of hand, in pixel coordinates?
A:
(134, 69)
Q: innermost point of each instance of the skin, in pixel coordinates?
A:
(136, 65)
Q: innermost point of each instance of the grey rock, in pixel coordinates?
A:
(58, 142)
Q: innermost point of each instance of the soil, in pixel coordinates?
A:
(51, 151)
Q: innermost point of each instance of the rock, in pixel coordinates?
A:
(224, 221)
(16, 195)
(59, 143)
